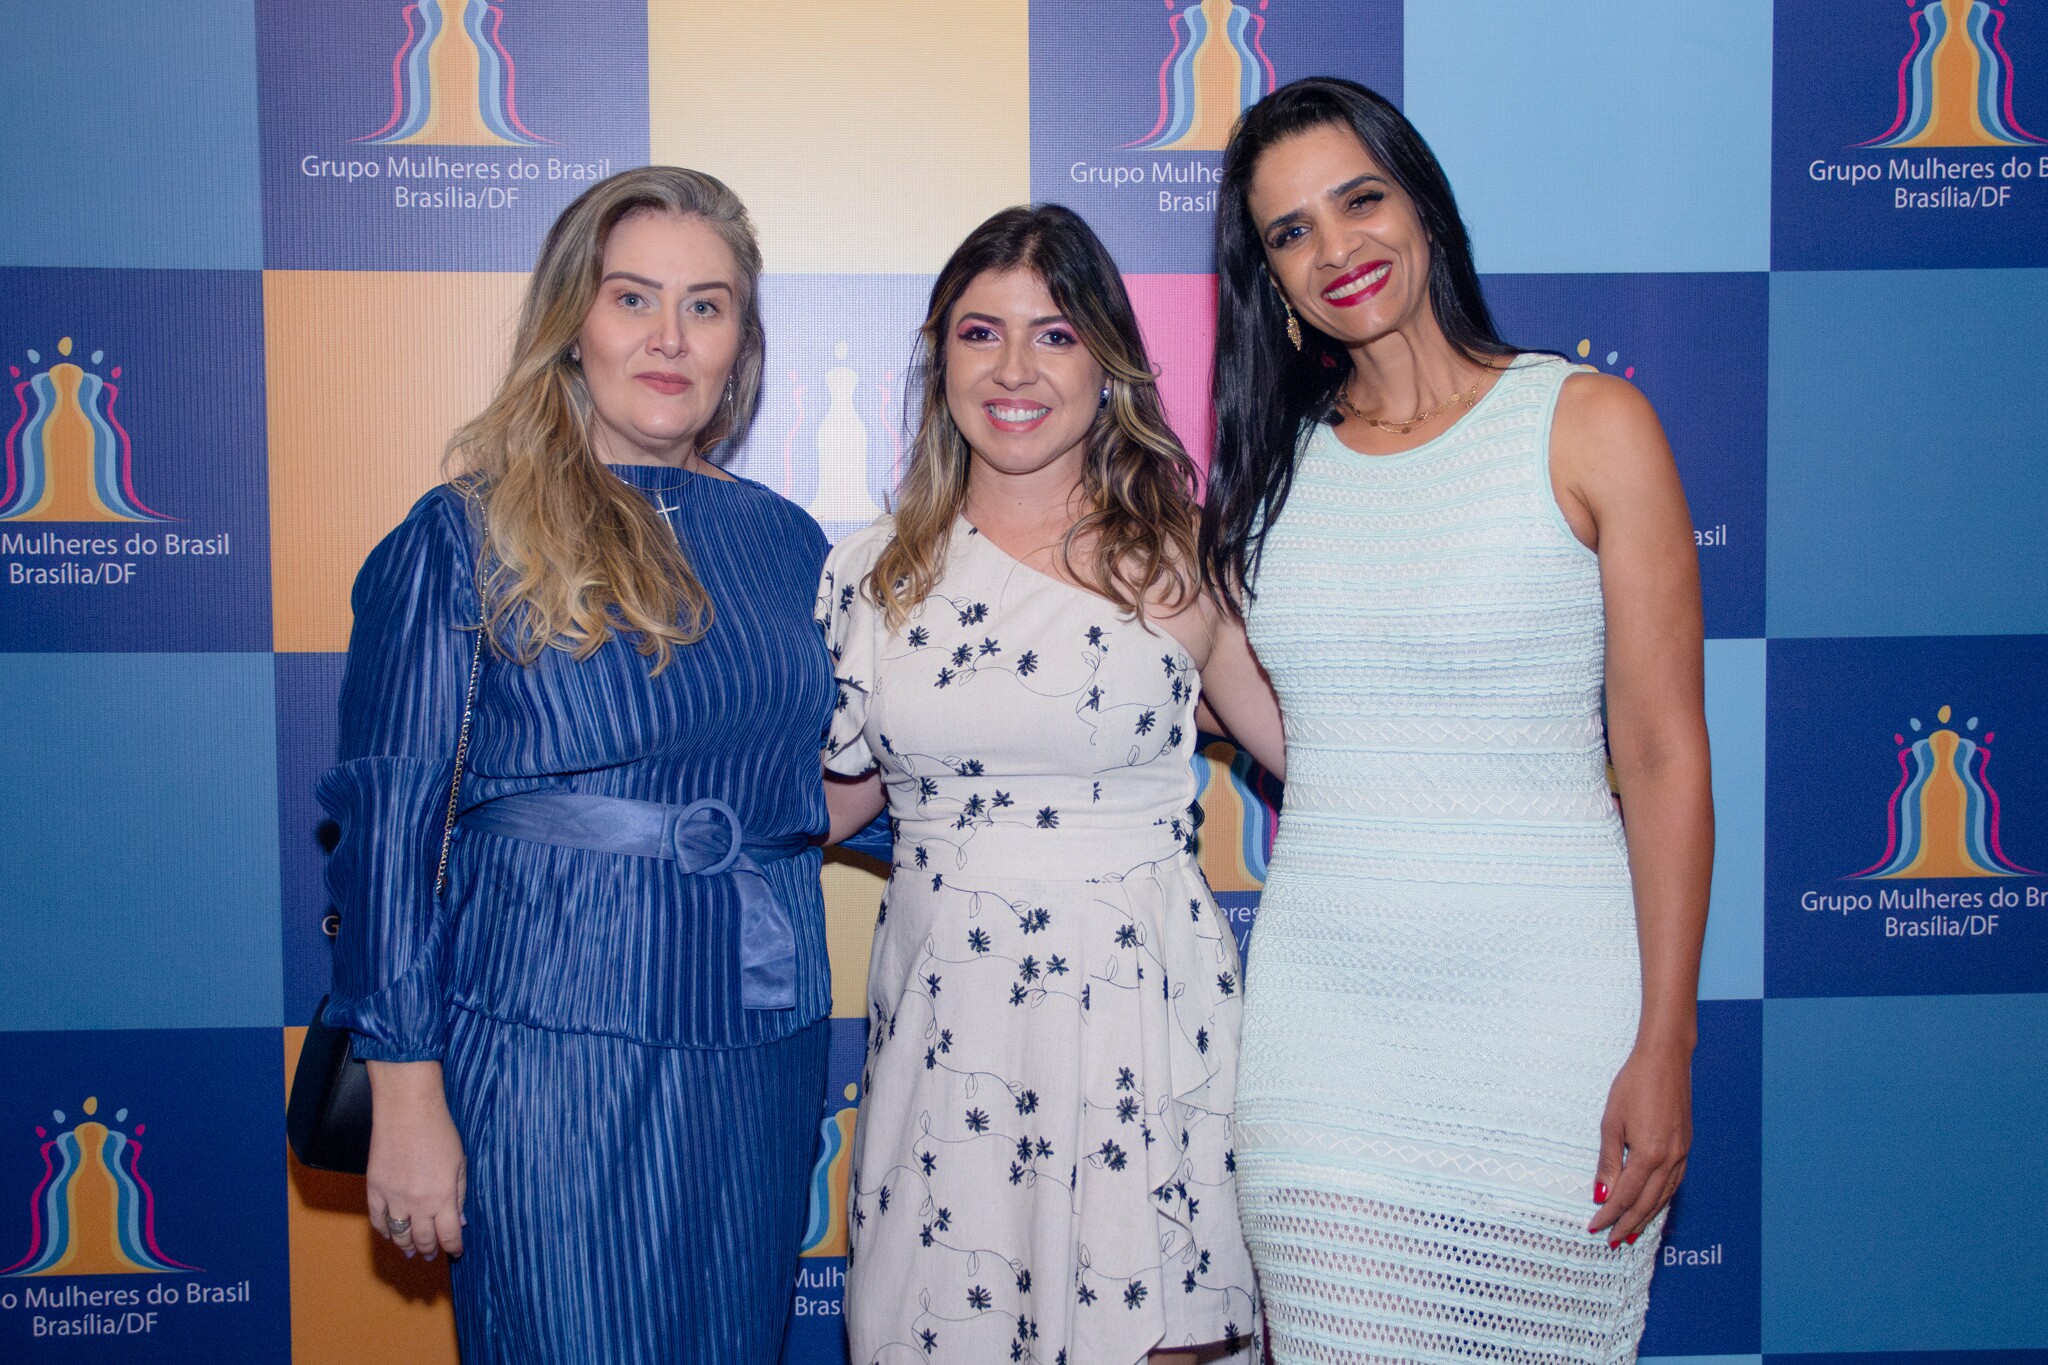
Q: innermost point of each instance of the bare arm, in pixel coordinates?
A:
(1238, 693)
(852, 802)
(1618, 486)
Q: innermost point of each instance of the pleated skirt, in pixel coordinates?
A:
(629, 1203)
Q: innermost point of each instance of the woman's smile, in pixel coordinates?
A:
(1017, 417)
(1357, 285)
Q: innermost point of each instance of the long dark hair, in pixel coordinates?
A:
(1137, 481)
(1267, 393)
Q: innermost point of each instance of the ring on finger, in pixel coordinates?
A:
(398, 1227)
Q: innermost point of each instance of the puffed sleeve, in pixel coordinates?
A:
(851, 624)
(401, 711)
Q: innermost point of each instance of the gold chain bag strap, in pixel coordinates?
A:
(328, 1116)
(476, 663)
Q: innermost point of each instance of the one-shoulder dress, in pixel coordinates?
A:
(638, 1140)
(1042, 1166)
(1444, 976)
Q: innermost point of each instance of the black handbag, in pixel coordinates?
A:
(327, 1119)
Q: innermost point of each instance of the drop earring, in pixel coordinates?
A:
(1293, 323)
(1103, 401)
(575, 355)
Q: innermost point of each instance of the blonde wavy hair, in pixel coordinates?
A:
(1136, 480)
(573, 554)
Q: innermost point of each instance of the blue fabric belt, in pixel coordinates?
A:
(693, 837)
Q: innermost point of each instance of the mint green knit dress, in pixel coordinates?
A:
(1444, 978)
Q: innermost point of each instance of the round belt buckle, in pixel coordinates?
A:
(697, 811)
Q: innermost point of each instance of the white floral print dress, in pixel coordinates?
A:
(1042, 1170)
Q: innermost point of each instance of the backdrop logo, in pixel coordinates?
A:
(836, 418)
(1240, 814)
(825, 1228)
(1907, 146)
(841, 442)
(1612, 364)
(1943, 817)
(1215, 69)
(68, 456)
(1955, 81)
(452, 81)
(93, 1213)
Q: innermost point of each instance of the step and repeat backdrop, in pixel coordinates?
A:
(257, 260)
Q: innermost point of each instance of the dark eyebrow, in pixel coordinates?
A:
(1337, 193)
(1354, 183)
(656, 284)
(1035, 322)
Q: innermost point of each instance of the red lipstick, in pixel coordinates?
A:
(1346, 291)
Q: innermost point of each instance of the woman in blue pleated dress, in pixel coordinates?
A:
(597, 1058)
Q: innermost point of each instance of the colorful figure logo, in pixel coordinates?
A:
(1955, 82)
(825, 1229)
(1943, 820)
(68, 456)
(1613, 365)
(93, 1213)
(1215, 70)
(1240, 804)
(453, 82)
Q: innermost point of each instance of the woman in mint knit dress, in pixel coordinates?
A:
(1464, 1095)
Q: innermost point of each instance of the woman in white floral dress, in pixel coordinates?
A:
(1043, 1167)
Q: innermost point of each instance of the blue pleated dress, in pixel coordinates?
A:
(638, 1142)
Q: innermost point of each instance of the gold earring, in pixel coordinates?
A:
(1293, 324)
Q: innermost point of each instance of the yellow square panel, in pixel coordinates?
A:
(866, 137)
(853, 895)
(369, 375)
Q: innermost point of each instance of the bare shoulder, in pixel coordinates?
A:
(1605, 428)
(1600, 409)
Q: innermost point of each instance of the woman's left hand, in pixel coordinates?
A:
(1644, 1137)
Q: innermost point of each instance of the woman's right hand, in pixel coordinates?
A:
(417, 1176)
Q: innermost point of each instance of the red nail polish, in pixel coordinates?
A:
(1613, 1246)
(1599, 1191)
(1632, 1240)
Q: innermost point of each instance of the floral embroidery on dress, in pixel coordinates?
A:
(1046, 1098)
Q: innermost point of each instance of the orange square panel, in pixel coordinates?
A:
(355, 1299)
(369, 374)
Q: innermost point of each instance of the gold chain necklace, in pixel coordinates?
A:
(1403, 428)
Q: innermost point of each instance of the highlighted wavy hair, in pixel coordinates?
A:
(573, 554)
(1136, 480)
